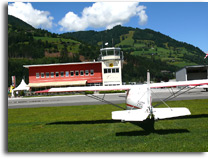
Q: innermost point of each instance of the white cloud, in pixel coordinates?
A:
(104, 14)
(143, 17)
(34, 17)
(72, 22)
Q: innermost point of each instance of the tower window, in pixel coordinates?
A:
(113, 70)
(105, 70)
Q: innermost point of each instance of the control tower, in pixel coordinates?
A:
(112, 59)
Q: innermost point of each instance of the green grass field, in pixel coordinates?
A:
(73, 47)
(55, 40)
(90, 129)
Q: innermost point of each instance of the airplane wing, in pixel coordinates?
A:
(87, 88)
(141, 114)
(124, 87)
(180, 83)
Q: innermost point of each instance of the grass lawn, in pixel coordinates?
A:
(90, 129)
(128, 40)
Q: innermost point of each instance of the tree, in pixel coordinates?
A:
(64, 55)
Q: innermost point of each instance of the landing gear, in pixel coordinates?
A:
(147, 125)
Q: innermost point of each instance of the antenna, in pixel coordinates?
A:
(148, 77)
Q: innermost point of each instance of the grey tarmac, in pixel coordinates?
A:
(117, 98)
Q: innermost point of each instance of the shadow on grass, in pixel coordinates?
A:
(160, 132)
(83, 122)
(147, 125)
(118, 121)
(132, 133)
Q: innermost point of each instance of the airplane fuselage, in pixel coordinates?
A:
(138, 98)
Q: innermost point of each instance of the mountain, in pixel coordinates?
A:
(96, 38)
(27, 45)
(144, 43)
(18, 23)
(24, 41)
(143, 50)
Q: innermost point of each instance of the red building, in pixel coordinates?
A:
(65, 74)
(106, 72)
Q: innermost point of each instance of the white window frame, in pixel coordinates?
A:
(106, 70)
(62, 74)
(91, 73)
(76, 71)
(82, 73)
(47, 74)
(66, 73)
(56, 74)
(52, 74)
(42, 73)
(38, 75)
(86, 72)
(71, 74)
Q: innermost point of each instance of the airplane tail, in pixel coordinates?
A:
(130, 115)
(147, 110)
(164, 113)
(157, 113)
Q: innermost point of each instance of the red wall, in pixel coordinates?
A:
(96, 78)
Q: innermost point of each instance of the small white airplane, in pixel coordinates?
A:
(138, 100)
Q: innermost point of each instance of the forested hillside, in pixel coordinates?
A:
(143, 49)
(27, 45)
(144, 43)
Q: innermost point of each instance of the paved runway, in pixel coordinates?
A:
(76, 100)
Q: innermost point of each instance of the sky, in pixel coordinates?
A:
(183, 21)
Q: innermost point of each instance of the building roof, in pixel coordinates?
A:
(61, 64)
(110, 48)
(193, 67)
